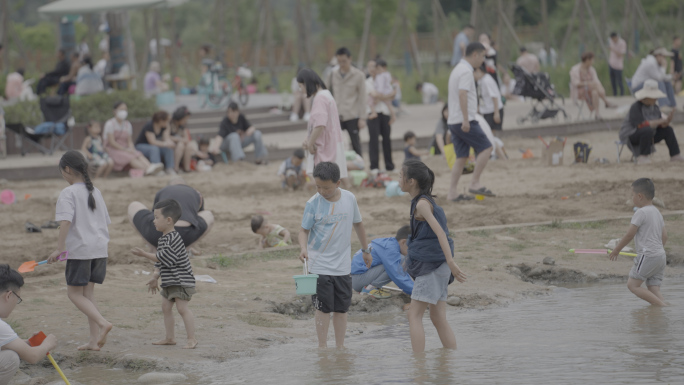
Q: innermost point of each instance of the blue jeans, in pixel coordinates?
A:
(155, 154)
(376, 276)
(667, 88)
(233, 145)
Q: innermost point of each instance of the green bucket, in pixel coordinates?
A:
(306, 284)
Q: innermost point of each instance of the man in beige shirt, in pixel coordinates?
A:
(528, 61)
(348, 86)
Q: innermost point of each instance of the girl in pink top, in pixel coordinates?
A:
(324, 141)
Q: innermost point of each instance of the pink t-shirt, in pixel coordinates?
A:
(617, 53)
(324, 113)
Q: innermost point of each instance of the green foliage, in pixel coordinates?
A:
(40, 37)
(86, 108)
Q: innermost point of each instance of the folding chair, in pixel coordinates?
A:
(621, 146)
(579, 103)
(57, 126)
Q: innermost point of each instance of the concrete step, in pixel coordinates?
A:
(256, 119)
(265, 128)
(220, 113)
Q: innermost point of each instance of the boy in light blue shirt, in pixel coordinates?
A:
(325, 242)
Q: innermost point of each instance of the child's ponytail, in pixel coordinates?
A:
(417, 170)
(77, 163)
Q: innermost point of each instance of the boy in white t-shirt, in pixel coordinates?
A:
(648, 230)
(325, 241)
(12, 348)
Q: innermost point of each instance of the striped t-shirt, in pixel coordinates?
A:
(174, 263)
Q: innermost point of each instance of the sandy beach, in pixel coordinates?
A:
(254, 305)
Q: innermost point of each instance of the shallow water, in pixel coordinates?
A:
(596, 334)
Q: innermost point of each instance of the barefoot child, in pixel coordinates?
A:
(648, 230)
(430, 259)
(83, 233)
(173, 265)
(92, 147)
(324, 238)
(272, 235)
(292, 171)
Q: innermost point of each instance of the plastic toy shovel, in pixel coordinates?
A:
(36, 341)
(599, 251)
(28, 267)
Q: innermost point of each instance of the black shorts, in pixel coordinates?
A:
(333, 293)
(474, 138)
(190, 234)
(490, 119)
(80, 272)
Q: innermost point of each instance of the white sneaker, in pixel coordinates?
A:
(294, 117)
(171, 172)
(154, 167)
(306, 117)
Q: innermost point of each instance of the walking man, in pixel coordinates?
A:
(348, 86)
(465, 130)
(618, 48)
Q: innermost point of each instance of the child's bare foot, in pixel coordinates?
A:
(191, 344)
(103, 334)
(165, 341)
(89, 346)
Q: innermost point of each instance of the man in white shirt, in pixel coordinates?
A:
(465, 130)
(654, 67)
(13, 348)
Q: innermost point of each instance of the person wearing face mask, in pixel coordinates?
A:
(155, 141)
(119, 145)
(180, 135)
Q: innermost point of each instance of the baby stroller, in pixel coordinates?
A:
(538, 87)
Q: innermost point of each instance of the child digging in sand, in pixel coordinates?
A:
(272, 235)
(648, 230)
(83, 236)
(325, 241)
(430, 260)
(173, 265)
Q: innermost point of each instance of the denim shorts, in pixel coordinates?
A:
(474, 138)
(432, 287)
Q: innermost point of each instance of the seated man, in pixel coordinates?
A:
(236, 133)
(645, 125)
(587, 85)
(388, 256)
(52, 78)
(12, 347)
(653, 67)
(195, 222)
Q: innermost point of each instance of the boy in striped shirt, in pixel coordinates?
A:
(173, 266)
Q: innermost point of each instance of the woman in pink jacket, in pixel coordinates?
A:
(586, 84)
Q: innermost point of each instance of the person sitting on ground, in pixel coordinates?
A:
(587, 85)
(94, 150)
(172, 264)
(387, 266)
(87, 81)
(53, 78)
(491, 108)
(155, 141)
(194, 224)
(292, 171)
(180, 135)
(272, 235)
(647, 228)
(528, 61)
(14, 84)
(236, 133)
(653, 67)
(153, 81)
(13, 348)
(354, 161)
(119, 145)
(68, 80)
(645, 125)
(429, 91)
(410, 150)
(204, 159)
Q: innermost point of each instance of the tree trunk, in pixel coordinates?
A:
(269, 43)
(545, 29)
(568, 30)
(474, 9)
(221, 29)
(366, 31)
(597, 30)
(395, 28)
(581, 34)
(604, 20)
(117, 50)
(435, 34)
(260, 33)
(4, 38)
(174, 47)
(307, 32)
(237, 45)
(299, 20)
(157, 38)
(148, 37)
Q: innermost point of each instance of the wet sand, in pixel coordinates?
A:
(235, 317)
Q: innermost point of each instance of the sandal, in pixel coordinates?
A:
(462, 198)
(31, 228)
(482, 191)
